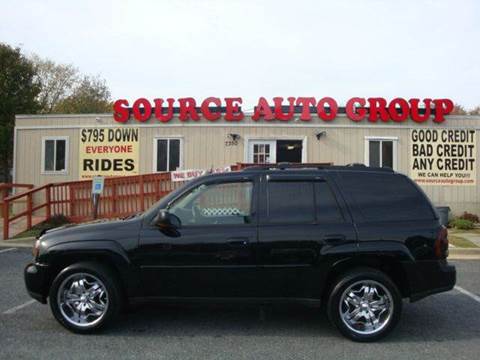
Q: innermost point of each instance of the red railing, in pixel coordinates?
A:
(6, 189)
(122, 196)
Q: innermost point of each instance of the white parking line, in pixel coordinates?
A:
(468, 293)
(9, 249)
(16, 308)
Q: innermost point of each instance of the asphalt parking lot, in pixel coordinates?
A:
(443, 326)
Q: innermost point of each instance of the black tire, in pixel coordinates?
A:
(90, 270)
(352, 280)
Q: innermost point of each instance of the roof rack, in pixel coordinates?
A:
(301, 166)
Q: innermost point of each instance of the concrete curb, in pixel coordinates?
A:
(464, 253)
(26, 242)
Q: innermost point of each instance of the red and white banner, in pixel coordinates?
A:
(185, 175)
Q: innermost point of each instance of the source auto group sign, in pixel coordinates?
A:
(213, 109)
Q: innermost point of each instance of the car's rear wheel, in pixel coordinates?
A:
(84, 297)
(365, 305)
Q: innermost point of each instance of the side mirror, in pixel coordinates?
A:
(167, 221)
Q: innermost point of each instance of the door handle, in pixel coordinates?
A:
(334, 239)
(238, 241)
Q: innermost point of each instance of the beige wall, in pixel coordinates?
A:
(204, 145)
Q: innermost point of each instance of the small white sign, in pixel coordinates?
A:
(97, 184)
(185, 175)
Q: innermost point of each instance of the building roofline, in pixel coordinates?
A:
(56, 116)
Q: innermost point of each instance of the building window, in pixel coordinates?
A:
(167, 154)
(261, 153)
(54, 150)
(381, 152)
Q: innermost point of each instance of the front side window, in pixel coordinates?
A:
(54, 155)
(215, 204)
(380, 153)
(168, 155)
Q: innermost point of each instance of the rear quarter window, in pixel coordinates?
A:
(386, 197)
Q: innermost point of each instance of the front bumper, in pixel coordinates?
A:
(430, 277)
(36, 281)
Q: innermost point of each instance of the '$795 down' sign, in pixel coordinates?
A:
(108, 152)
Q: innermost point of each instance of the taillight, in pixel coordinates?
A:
(441, 244)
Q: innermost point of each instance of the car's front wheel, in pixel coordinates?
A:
(84, 297)
(364, 305)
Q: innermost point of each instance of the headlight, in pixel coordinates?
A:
(36, 249)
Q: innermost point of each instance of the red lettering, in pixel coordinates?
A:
(305, 103)
(120, 111)
(206, 109)
(147, 109)
(262, 110)
(332, 104)
(442, 107)
(354, 113)
(414, 110)
(159, 115)
(187, 109)
(232, 111)
(378, 106)
(279, 115)
(402, 105)
(356, 109)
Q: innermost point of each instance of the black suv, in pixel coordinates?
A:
(355, 239)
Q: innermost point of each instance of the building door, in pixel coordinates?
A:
(289, 151)
(262, 152)
(275, 151)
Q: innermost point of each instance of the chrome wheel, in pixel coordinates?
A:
(366, 307)
(82, 299)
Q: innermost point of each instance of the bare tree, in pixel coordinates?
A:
(459, 110)
(57, 82)
(90, 95)
(475, 111)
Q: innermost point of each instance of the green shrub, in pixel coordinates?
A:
(470, 217)
(58, 220)
(451, 224)
(462, 224)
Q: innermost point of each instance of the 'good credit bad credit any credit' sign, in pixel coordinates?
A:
(443, 156)
(108, 152)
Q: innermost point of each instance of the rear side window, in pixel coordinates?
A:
(301, 201)
(327, 206)
(386, 197)
(291, 202)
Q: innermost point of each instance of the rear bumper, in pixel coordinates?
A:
(430, 277)
(36, 281)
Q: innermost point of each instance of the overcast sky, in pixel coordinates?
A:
(259, 48)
